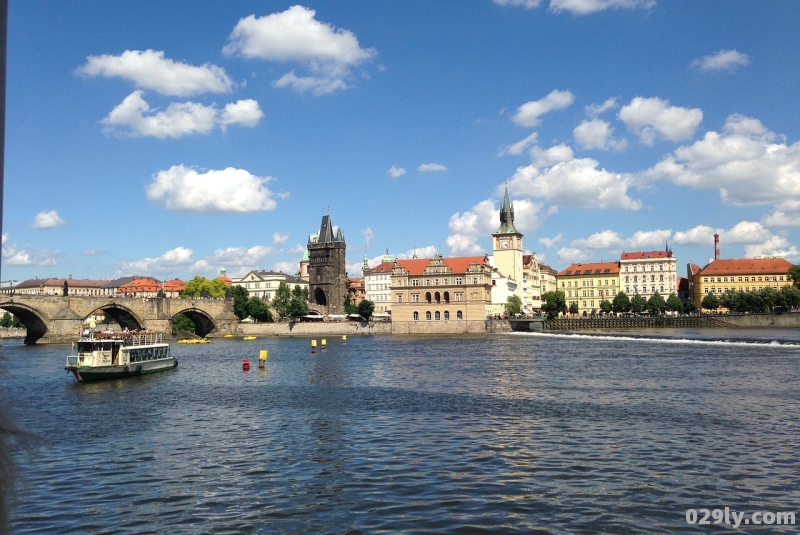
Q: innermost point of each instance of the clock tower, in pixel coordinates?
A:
(508, 247)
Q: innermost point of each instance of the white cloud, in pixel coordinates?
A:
(782, 219)
(395, 171)
(550, 242)
(746, 162)
(49, 219)
(652, 118)
(527, 4)
(572, 255)
(290, 268)
(773, 246)
(586, 7)
(744, 232)
(245, 112)
(606, 239)
(558, 177)
(428, 167)
(528, 114)
(277, 237)
(296, 36)
(484, 219)
(724, 60)
(699, 235)
(597, 134)
(237, 261)
(150, 70)
(593, 110)
(518, 147)
(28, 256)
(228, 190)
(134, 117)
(648, 239)
(168, 263)
(298, 249)
(368, 236)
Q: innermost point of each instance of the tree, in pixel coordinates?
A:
(656, 304)
(5, 322)
(258, 309)
(690, 307)
(554, 303)
(606, 306)
(107, 319)
(16, 323)
(282, 299)
(182, 323)
(621, 303)
(710, 302)
(366, 308)
(638, 304)
(674, 303)
(791, 296)
(573, 308)
(513, 305)
(349, 307)
(201, 286)
(794, 274)
(297, 308)
(240, 297)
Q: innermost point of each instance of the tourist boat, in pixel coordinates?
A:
(249, 338)
(97, 356)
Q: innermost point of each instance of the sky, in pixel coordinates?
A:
(172, 139)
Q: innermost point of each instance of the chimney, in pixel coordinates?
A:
(716, 246)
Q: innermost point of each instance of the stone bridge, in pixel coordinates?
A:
(51, 319)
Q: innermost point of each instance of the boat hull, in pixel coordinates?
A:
(86, 374)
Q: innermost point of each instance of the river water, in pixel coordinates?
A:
(514, 433)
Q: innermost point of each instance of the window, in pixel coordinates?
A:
(427, 282)
(436, 282)
(416, 316)
(427, 297)
(438, 316)
(459, 296)
(446, 315)
(459, 316)
(415, 298)
(428, 315)
(459, 281)
(474, 280)
(399, 298)
(740, 279)
(414, 282)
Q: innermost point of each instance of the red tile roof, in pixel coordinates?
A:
(639, 255)
(416, 266)
(776, 266)
(612, 267)
(174, 285)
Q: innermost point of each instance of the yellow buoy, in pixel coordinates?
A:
(313, 346)
(324, 343)
(344, 338)
(262, 357)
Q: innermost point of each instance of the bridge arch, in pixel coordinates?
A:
(34, 321)
(203, 322)
(123, 316)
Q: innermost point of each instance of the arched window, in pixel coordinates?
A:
(438, 316)
(416, 316)
(446, 297)
(428, 315)
(427, 298)
(437, 297)
(446, 315)
(459, 316)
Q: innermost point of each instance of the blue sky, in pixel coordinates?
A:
(174, 138)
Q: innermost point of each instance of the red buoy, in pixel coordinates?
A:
(245, 364)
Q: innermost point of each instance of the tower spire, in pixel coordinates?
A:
(507, 217)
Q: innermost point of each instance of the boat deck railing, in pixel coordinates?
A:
(144, 339)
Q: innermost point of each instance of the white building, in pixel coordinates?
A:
(648, 272)
(264, 284)
(378, 284)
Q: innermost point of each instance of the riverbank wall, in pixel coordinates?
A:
(309, 329)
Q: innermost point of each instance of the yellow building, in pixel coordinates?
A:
(737, 275)
(589, 284)
(441, 289)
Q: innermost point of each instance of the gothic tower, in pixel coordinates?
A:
(327, 273)
(507, 246)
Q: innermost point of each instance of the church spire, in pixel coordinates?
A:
(507, 217)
